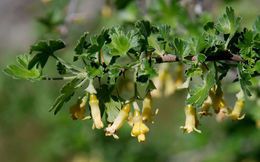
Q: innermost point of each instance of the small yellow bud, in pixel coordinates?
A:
(191, 122)
(139, 129)
(119, 121)
(95, 112)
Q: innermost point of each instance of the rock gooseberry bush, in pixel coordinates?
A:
(142, 54)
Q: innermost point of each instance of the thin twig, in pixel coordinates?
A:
(173, 58)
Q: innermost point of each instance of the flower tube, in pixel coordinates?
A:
(119, 121)
(95, 112)
(147, 109)
(205, 108)
(191, 122)
(238, 107)
(94, 106)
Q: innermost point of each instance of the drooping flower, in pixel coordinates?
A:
(139, 129)
(78, 110)
(147, 109)
(170, 85)
(119, 121)
(95, 112)
(191, 122)
(205, 107)
(235, 114)
(217, 97)
(163, 80)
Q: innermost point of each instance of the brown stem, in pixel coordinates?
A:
(226, 56)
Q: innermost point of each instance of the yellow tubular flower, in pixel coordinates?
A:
(119, 121)
(191, 122)
(139, 129)
(179, 75)
(217, 98)
(78, 110)
(170, 85)
(147, 109)
(95, 112)
(157, 92)
(205, 108)
(238, 107)
(158, 82)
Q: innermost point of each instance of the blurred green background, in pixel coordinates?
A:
(29, 133)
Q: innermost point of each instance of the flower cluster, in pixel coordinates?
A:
(165, 81)
(139, 129)
(217, 102)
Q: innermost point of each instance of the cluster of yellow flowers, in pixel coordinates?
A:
(166, 82)
(217, 102)
(139, 129)
(136, 121)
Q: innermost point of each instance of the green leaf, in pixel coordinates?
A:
(153, 42)
(181, 48)
(244, 78)
(246, 44)
(146, 72)
(66, 92)
(104, 94)
(256, 26)
(257, 66)
(82, 44)
(191, 71)
(21, 71)
(94, 70)
(150, 87)
(122, 42)
(228, 23)
(113, 75)
(164, 31)
(113, 107)
(202, 92)
(98, 41)
(43, 50)
(197, 46)
(61, 68)
(201, 57)
(144, 28)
